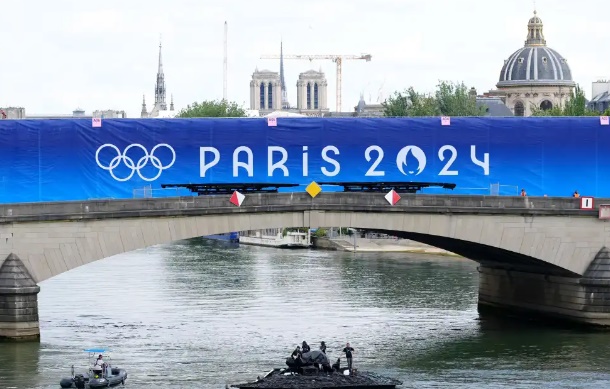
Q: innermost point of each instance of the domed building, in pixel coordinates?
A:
(535, 75)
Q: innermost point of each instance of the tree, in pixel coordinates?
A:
(576, 105)
(450, 99)
(455, 100)
(410, 103)
(212, 108)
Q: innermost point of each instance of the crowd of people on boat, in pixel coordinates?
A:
(303, 356)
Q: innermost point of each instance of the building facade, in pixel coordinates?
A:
(312, 92)
(535, 76)
(364, 109)
(12, 113)
(109, 114)
(600, 96)
(78, 113)
(265, 91)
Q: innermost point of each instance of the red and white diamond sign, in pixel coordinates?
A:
(392, 197)
(237, 198)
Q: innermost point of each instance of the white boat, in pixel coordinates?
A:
(276, 237)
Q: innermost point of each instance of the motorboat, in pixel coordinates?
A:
(99, 374)
(312, 370)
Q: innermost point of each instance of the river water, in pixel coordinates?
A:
(201, 314)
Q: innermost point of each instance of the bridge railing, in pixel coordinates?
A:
(498, 189)
(495, 189)
(148, 192)
(277, 202)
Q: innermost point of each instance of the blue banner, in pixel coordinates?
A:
(51, 160)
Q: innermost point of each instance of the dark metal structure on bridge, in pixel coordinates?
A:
(401, 187)
(217, 189)
(371, 187)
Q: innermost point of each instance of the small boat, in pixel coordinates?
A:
(312, 371)
(100, 374)
(232, 237)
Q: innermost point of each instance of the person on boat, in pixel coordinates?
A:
(323, 347)
(348, 350)
(98, 366)
(296, 353)
(99, 361)
(337, 365)
(305, 347)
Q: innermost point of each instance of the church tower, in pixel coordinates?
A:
(160, 85)
(312, 92)
(160, 93)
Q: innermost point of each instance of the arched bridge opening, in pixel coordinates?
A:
(486, 255)
(535, 254)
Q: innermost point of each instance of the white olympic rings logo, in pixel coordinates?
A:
(135, 167)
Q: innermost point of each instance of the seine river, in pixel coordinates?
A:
(200, 314)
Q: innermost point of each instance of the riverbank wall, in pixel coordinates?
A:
(347, 243)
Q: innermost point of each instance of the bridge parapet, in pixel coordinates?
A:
(298, 201)
(515, 239)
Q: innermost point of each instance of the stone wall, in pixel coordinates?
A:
(18, 301)
(585, 300)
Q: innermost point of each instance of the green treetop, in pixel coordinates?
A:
(212, 108)
(576, 105)
(450, 99)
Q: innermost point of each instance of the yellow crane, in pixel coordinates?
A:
(338, 59)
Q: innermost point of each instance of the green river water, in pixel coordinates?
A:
(201, 314)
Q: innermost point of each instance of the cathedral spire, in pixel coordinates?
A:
(171, 104)
(160, 69)
(285, 103)
(144, 112)
(160, 103)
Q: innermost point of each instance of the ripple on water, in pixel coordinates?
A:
(199, 315)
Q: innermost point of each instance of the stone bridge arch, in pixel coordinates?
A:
(53, 247)
(517, 242)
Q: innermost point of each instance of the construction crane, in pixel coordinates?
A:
(338, 59)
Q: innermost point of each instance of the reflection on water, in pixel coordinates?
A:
(19, 364)
(199, 314)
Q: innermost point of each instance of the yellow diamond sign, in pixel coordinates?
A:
(313, 189)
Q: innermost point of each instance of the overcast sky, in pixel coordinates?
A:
(62, 54)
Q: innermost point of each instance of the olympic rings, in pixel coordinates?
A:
(135, 167)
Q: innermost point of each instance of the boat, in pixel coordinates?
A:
(98, 375)
(313, 371)
(281, 238)
(232, 237)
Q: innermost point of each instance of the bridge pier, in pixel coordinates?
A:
(581, 300)
(18, 302)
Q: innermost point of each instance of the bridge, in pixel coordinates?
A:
(541, 255)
